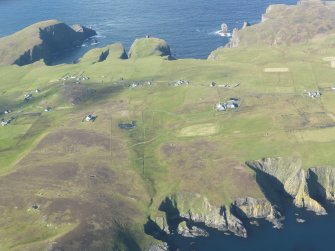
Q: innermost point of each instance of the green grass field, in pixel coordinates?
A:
(99, 180)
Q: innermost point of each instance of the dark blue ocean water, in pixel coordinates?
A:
(188, 25)
(316, 234)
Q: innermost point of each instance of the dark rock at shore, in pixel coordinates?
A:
(192, 232)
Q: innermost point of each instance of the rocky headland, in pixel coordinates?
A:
(285, 25)
(41, 41)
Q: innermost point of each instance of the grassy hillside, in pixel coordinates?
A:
(62, 178)
(144, 47)
(97, 179)
(111, 52)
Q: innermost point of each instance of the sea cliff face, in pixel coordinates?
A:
(306, 187)
(250, 208)
(197, 208)
(322, 180)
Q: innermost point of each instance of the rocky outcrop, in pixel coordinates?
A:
(257, 208)
(294, 180)
(162, 224)
(197, 208)
(235, 39)
(110, 52)
(322, 183)
(159, 247)
(147, 47)
(45, 39)
(192, 232)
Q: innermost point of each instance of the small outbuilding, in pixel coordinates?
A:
(5, 122)
(232, 103)
(314, 94)
(90, 118)
(28, 97)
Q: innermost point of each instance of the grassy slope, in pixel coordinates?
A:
(114, 51)
(12, 47)
(155, 159)
(144, 47)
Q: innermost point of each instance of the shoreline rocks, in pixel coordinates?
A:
(192, 232)
(159, 247)
(197, 208)
(306, 188)
(250, 208)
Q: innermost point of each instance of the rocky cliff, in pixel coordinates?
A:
(299, 183)
(197, 208)
(41, 41)
(322, 180)
(307, 188)
(288, 24)
(247, 208)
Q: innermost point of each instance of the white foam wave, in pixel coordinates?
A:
(221, 34)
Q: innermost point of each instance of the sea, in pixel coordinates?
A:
(190, 27)
(315, 234)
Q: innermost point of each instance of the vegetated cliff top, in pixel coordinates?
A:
(109, 52)
(146, 47)
(40, 41)
(288, 24)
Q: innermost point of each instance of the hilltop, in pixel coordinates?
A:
(119, 150)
